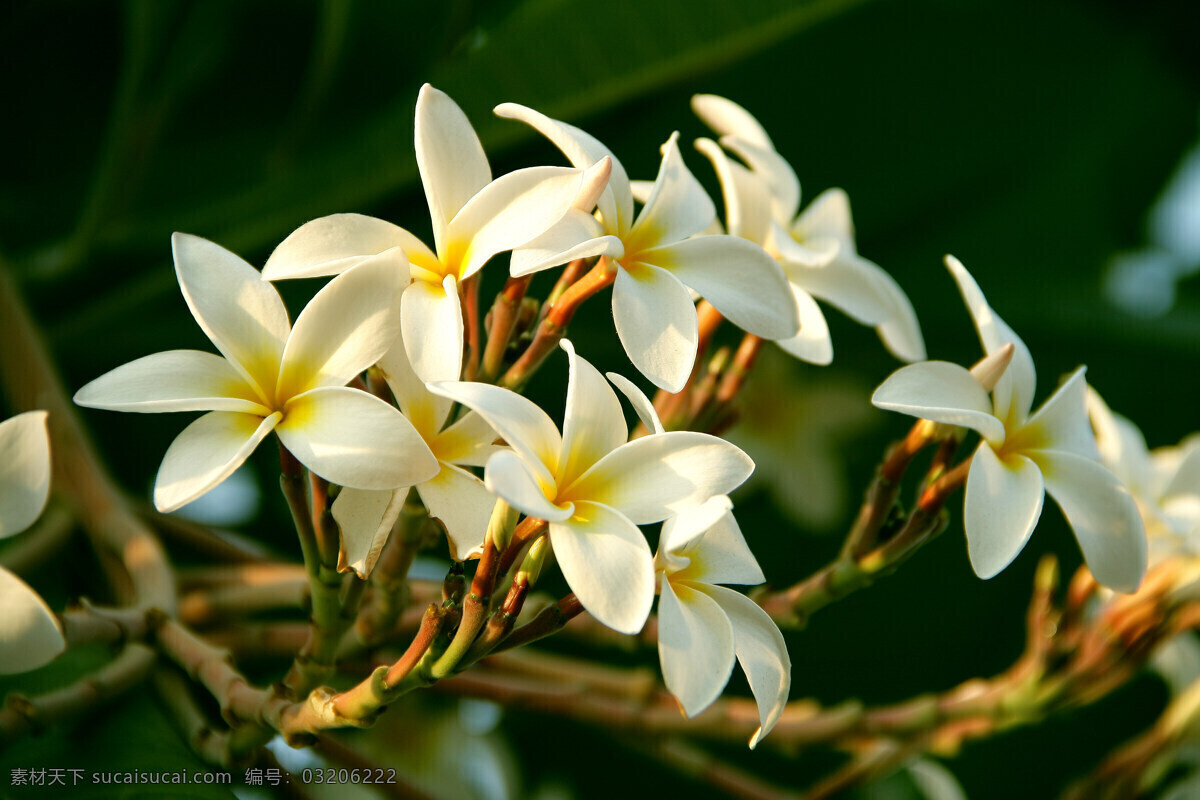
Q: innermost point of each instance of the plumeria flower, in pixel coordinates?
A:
(703, 626)
(30, 635)
(816, 248)
(594, 487)
(1023, 456)
(274, 377)
(474, 218)
(1164, 482)
(454, 495)
(657, 258)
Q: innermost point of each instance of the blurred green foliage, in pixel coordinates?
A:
(1028, 138)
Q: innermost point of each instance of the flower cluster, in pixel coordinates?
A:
(375, 387)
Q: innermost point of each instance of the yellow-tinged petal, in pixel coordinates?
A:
(762, 653)
(333, 244)
(206, 453)
(432, 329)
(175, 380)
(593, 423)
(345, 328)
(425, 410)
(720, 555)
(607, 564)
(242, 314)
(1062, 422)
(450, 158)
(365, 519)
(463, 504)
(655, 319)
(525, 487)
(30, 635)
(1102, 514)
(655, 477)
(354, 439)
(695, 646)
(677, 208)
(469, 442)
(1002, 506)
(24, 471)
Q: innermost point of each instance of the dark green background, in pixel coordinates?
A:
(1029, 139)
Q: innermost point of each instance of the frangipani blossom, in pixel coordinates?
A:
(594, 487)
(816, 249)
(658, 257)
(455, 496)
(1023, 456)
(474, 218)
(1164, 482)
(274, 377)
(30, 635)
(702, 626)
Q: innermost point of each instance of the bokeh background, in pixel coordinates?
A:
(1052, 146)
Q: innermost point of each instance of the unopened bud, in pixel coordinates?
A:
(989, 369)
(535, 559)
(501, 525)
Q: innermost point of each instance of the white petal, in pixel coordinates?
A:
(176, 380)
(775, 170)
(655, 477)
(593, 423)
(463, 504)
(655, 319)
(812, 344)
(677, 208)
(1002, 506)
(641, 190)
(827, 217)
(240, 312)
(747, 197)
(206, 453)
(941, 392)
(1013, 395)
(607, 564)
(522, 424)
(721, 555)
(761, 651)
(576, 235)
(582, 150)
(811, 253)
(509, 212)
(640, 402)
(514, 479)
(1062, 421)
(346, 327)
(738, 278)
(425, 410)
(727, 118)
(688, 525)
(354, 439)
(450, 158)
(900, 332)
(695, 646)
(29, 632)
(1184, 477)
(432, 329)
(468, 442)
(24, 471)
(848, 282)
(365, 519)
(1102, 514)
(333, 244)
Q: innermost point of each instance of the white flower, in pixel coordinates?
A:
(1022, 456)
(816, 248)
(702, 626)
(594, 488)
(274, 377)
(474, 218)
(656, 261)
(1164, 482)
(455, 496)
(30, 635)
